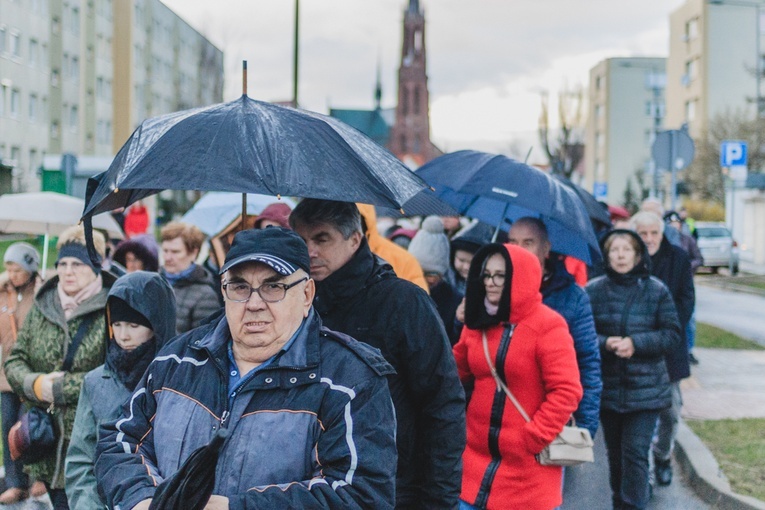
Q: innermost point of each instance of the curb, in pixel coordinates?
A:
(704, 474)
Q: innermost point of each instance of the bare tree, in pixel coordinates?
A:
(704, 177)
(564, 149)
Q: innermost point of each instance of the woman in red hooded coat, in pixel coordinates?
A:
(531, 347)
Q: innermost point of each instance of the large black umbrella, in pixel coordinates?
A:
(498, 190)
(191, 486)
(597, 211)
(249, 146)
(424, 203)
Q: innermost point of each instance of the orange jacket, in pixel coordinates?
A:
(404, 263)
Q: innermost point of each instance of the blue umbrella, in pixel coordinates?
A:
(498, 190)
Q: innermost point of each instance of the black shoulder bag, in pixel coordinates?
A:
(35, 435)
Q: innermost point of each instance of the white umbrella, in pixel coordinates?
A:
(216, 209)
(49, 214)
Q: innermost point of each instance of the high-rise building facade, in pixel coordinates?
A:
(626, 108)
(713, 61)
(79, 75)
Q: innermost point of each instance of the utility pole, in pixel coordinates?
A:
(295, 55)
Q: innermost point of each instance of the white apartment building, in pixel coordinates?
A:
(713, 58)
(626, 107)
(79, 75)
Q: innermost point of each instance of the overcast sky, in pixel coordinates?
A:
(488, 60)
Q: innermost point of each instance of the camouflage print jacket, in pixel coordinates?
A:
(41, 348)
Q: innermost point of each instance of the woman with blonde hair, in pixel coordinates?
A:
(61, 340)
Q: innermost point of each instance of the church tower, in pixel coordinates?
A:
(410, 135)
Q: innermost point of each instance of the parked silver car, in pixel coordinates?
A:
(717, 245)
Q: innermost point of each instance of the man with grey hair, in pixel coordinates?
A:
(308, 411)
(671, 265)
(360, 295)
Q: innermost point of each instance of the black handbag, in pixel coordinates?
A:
(35, 436)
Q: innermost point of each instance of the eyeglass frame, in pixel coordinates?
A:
(486, 276)
(285, 286)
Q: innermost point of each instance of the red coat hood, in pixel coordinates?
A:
(522, 294)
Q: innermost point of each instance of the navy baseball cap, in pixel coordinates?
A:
(281, 249)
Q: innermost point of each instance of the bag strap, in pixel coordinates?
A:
(501, 386)
(76, 341)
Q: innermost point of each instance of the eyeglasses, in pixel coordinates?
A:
(272, 292)
(497, 279)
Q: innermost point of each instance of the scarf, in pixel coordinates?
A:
(70, 303)
(490, 308)
(172, 278)
(129, 366)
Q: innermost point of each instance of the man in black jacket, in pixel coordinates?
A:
(360, 295)
(671, 265)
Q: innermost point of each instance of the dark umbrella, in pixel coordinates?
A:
(498, 190)
(249, 146)
(424, 203)
(191, 486)
(597, 211)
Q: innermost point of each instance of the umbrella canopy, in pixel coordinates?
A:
(49, 213)
(498, 190)
(191, 486)
(216, 210)
(598, 212)
(249, 146)
(424, 203)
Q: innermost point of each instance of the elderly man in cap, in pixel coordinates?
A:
(308, 410)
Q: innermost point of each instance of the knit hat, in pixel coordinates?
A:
(23, 254)
(78, 251)
(430, 246)
(278, 212)
(120, 311)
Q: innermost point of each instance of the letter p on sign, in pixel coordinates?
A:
(733, 153)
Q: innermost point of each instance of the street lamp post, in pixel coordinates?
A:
(295, 55)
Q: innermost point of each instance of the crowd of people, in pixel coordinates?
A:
(352, 363)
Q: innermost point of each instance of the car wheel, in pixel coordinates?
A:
(714, 269)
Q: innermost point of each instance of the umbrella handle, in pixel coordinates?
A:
(499, 223)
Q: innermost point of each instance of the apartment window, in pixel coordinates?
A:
(600, 140)
(32, 107)
(648, 137)
(54, 129)
(598, 111)
(692, 29)
(598, 83)
(2, 39)
(74, 69)
(15, 102)
(100, 88)
(76, 20)
(649, 108)
(692, 69)
(690, 110)
(16, 156)
(33, 49)
(3, 99)
(73, 117)
(55, 77)
(33, 159)
(600, 170)
(15, 44)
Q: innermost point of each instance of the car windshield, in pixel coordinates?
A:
(713, 232)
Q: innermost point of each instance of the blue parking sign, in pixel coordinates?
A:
(732, 153)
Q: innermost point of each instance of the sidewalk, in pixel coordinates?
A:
(725, 384)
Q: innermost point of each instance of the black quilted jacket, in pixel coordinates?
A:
(639, 306)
